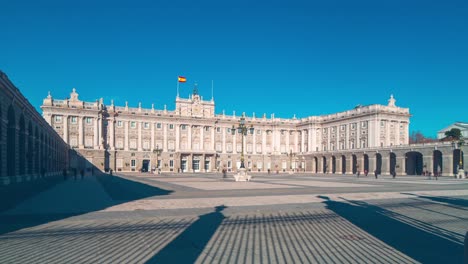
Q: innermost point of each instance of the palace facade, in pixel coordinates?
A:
(192, 137)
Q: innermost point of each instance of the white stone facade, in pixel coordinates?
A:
(194, 138)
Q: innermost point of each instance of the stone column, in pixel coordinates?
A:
(264, 143)
(386, 164)
(177, 141)
(126, 135)
(65, 129)
(358, 133)
(101, 139)
(202, 134)
(139, 136)
(152, 137)
(309, 141)
(234, 143)
(213, 148)
(372, 163)
(288, 149)
(401, 161)
(296, 141)
(189, 137)
(224, 139)
(80, 132)
(96, 133)
(164, 127)
(349, 165)
(112, 134)
(254, 142)
(303, 140)
(427, 160)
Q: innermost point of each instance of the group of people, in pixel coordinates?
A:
(376, 174)
(75, 173)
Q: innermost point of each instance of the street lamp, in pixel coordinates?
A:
(242, 129)
(157, 151)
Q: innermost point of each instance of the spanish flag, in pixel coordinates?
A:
(182, 79)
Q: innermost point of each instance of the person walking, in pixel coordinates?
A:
(394, 174)
(375, 174)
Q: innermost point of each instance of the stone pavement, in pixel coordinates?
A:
(202, 218)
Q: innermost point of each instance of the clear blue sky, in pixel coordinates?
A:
(308, 58)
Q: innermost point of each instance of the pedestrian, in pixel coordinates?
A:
(394, 174)
(224, 173)
(366, 173)
(110, 172)
(82, 174)
(358, 173)
(375, 174)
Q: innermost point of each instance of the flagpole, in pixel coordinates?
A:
(177, 86)
(212, 96)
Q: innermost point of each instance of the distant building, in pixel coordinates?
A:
(463, 126)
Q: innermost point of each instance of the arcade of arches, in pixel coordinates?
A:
(441, 158)
(29, 147)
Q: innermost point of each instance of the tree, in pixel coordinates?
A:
(417, 137)
(454, 135)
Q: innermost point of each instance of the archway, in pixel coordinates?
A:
(343, 164)
(316, 164)
(37, 151)
(378, 163)
(11, 143)
(354, 162)
(437, 162)
(414, 163)
(30, 151)
(458, 161)
(324, 164)
(392, 163)
(333, 164)
(1, 142)
(22, 146)
(366, 163)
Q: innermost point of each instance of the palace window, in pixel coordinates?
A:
(171, 126)
(146, 125)
(58, 119)
(88, 120)
(171, 163)
(353, 126)
(133, 124)
(183, 127)
(228, 130)
(207, 129)
(218, 130)
(119, 123)
(133, 163)
(158, 125)
(73, 119)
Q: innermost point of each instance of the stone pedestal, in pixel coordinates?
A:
(461, 174)
(242, 175)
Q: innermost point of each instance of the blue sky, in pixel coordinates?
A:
(304, 58)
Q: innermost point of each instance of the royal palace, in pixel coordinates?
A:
(194, 138)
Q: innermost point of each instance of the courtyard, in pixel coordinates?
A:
(205, 218)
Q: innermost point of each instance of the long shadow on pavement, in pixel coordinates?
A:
(442, 199)
(119, 189)
(188, 246)
(410, 240)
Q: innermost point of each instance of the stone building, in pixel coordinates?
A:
(29, 147)
(192, 137)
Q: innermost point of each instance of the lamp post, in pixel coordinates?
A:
(157, 151)
(242, 129)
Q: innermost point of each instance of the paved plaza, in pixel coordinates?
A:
(203, 218)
